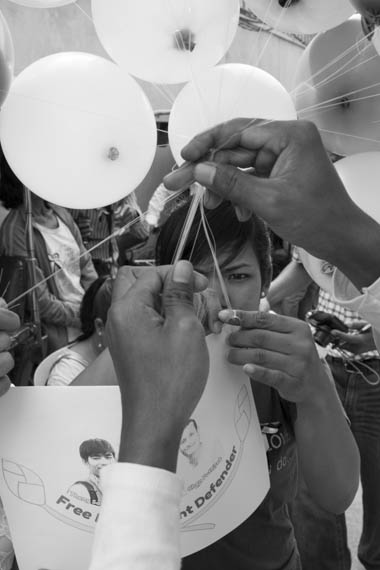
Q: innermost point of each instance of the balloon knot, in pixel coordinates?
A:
(345, 103)
(184, 40)
(369, 23)
(287, 3)
(113, 153)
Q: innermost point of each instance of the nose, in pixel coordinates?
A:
(214, 284)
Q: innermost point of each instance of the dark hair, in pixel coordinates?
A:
(11, 188)
(92, 447)
(227, 233)
(95, 304)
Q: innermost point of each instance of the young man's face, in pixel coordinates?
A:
(242, 278)
(97, 462)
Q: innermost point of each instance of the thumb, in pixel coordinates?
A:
(241, 188)
(178, 293)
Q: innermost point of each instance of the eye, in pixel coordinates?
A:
(238, 276)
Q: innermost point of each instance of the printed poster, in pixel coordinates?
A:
(55, 441)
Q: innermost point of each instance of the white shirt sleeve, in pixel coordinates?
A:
(367, 303)
(156, 204)
(138, 528)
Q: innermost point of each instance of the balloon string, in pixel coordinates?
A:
(245, 81)
(339, 98)
(164, 93)
(159, 88)
(278, 21)
(261, 30)
(197, 202)
(83, 12)
(336, 75)
(197, 197)
(119, 231)
(214, 257)
(349, 135)
(318, 108)
(342, 55)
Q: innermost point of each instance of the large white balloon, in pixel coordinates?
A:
(7, 58)
(338, 88)
(360, 173)
(166, 41)
(302, 16)
(77, 130)
(43, 3)
(222, 93)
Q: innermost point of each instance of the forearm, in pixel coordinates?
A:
(328, 455)
(354, 248)
(99, 373)
(292, 278)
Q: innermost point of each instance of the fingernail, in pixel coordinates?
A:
(249, 369)
(242, 214)
(230, 317)
(204, 173)
(211, 200)
(225, 315)
(177, 174)
(183, 272)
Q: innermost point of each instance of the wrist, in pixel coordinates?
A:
(151, 447)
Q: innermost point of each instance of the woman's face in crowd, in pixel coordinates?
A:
(241, 276)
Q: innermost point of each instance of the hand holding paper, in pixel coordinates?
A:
(9, 323)
(278, 351)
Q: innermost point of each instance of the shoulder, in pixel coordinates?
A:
(69, 365)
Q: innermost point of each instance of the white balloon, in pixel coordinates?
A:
(222, 93)
(376, 39)
(337, 87)
(360, 174)
(43, 3)
(77, 130)
(302, 16)
(166, 41)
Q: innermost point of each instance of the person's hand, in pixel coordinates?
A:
(277, 351)
(9, 323)
(355, 342)
(207, 307)
(293, 186)
(158, 348)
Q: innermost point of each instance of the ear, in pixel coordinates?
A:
(99, 326)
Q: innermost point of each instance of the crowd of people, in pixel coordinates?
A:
(115, 331)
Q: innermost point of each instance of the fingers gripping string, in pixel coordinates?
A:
(214, 257)
(197, 202)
